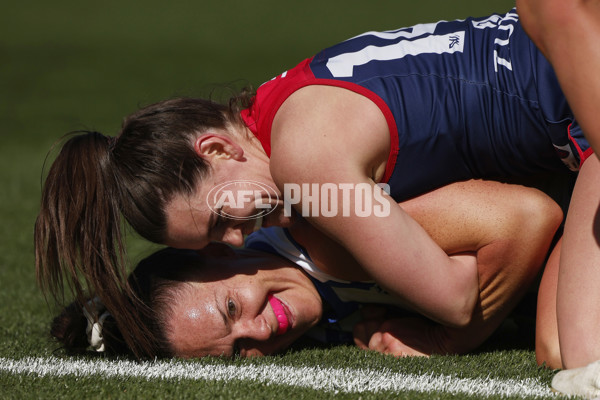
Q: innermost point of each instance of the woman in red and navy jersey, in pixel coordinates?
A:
(413, 109)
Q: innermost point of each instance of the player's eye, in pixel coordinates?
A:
(231, 308)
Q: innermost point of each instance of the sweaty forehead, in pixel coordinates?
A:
(197, 327)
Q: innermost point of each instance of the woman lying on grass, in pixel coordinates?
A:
(252, 301)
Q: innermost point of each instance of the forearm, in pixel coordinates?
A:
(510, 227)
(567, 32)
(556, 25)
(400, 256)
(507, 269)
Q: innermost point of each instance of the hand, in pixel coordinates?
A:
(401, 337)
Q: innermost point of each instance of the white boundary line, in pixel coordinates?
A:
(314, 377)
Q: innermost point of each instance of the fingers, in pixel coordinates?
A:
(392, 345)
(364, 330)
(391, 337)
(387, 343)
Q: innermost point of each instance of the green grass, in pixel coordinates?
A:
(499, 365)
(72, 65)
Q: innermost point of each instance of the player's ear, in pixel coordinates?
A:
(211, 145)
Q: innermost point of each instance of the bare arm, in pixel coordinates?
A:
(509, 226)
(331, 135)
(567, 32)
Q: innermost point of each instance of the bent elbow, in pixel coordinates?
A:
(459, 312)
(462, 316)
(541, 215)
(454, 313)
(461, 292)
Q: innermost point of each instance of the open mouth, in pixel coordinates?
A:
(279, 310)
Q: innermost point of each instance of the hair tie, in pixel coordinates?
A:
(94, 328)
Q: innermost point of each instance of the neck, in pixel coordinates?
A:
(254, 143)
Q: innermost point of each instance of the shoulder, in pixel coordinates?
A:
(330, 126)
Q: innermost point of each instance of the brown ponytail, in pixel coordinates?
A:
(95, 179)
(79, 216)
(78, 232)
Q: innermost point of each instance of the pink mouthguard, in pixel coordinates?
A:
(279, 313)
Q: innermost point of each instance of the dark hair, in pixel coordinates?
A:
(97, 179)
(156, 283)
